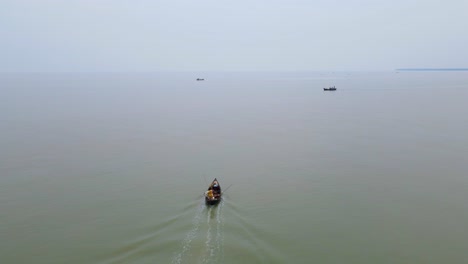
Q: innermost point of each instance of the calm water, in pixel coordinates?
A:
(110, 168)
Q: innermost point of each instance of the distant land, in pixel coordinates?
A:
(432, 69)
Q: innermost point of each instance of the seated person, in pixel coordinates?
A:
(216, 189)
(209, 194)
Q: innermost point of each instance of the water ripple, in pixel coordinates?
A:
(186, 244)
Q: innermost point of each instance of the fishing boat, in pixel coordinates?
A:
(200, 79)
(213, 194)
(330, 88)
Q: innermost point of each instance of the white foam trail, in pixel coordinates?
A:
(209, 248)
(220, 232)
(186, 243)
(214, 252)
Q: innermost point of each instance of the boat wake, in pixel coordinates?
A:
(211, 231)
(187, 242)
(214, 244)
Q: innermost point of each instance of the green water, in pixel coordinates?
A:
(111, 168)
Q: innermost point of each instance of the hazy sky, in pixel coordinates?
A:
(133, 35)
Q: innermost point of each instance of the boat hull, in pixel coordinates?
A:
(213, 195)
(213, 201)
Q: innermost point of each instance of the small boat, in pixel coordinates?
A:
(213, 194)
(200, 79)
(330, 88)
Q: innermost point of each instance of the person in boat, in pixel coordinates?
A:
(209, 194)
(216, 189)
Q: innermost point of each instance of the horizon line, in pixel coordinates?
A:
(432, 69)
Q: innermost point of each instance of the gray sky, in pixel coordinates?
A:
(221, 35)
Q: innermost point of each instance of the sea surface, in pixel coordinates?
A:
(111, 167)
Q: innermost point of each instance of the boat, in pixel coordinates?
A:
(330, 88)
(200, 79)
(213, 194)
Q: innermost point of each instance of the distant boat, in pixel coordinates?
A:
(213, 195)
(330, 88)
(200, 79)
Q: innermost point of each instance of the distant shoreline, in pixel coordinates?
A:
(432, 69)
